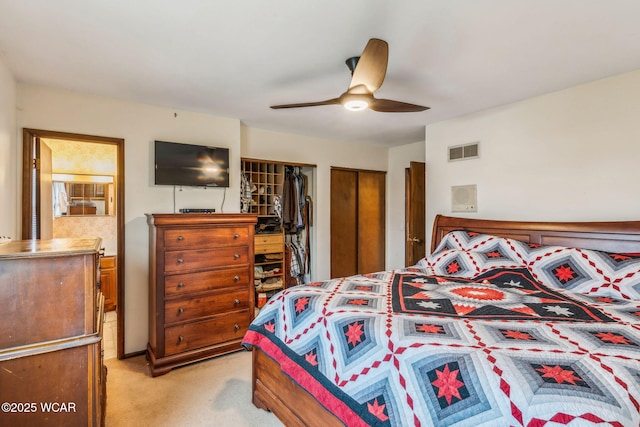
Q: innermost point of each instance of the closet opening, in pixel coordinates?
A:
(281, 194)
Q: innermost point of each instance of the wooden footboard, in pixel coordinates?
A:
(276, 392)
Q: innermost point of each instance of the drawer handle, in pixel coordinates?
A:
(180, 311)
(236, 301)
(236, 278)
(181, 285)
(236, 256)
(180, 260)
(236, 326)
(235, 236)
(180, 339)
(180, 238)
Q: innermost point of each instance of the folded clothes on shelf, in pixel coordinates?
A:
(269, 284)
(260, 272)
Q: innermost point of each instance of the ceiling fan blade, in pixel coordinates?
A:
(390, 106)
(308, 104)
(372, 66)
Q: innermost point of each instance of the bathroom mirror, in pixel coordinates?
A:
(87, 195)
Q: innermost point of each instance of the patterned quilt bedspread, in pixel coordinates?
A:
(495, 346)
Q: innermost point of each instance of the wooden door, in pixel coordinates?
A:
(344, 222)
(415, 248)
(357, 222)
(371, 221)
(44, 191)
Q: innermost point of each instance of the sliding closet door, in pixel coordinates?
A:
(344, 222)
(371, 221)
(357, 222)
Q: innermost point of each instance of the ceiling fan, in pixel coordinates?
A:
(367, 75)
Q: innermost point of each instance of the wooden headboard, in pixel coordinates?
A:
(617, 236)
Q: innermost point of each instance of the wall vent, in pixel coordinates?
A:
(464, 152)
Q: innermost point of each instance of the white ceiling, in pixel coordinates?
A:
(235, 58)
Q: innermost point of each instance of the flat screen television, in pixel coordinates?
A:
(192, 165)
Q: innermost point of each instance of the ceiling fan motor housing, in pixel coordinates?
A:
(352, 62)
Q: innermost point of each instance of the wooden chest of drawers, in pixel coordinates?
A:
(51, 333)
(201, 293)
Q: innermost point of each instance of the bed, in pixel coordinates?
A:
(504, 323)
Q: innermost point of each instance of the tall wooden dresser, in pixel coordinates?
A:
(51, 367)
(201, 294)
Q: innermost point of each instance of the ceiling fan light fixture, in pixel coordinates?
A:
(356, 105)
(355, 102)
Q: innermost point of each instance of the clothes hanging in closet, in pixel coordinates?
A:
(293, 199)
(295, 217)
(296, 260)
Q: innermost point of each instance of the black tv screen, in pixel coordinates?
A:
(193, 165)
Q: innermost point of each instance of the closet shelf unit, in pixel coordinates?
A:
(266, 181)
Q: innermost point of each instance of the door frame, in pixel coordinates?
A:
(28, 190)
(415, 220)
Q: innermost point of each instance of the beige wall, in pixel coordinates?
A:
(569, 155)
(75, 157)
(94, 225)
(261, 144)
(9, 219)
(139, 125)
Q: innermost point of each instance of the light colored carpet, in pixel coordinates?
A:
(216, 392)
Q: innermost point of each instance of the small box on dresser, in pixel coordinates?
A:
(201, 293)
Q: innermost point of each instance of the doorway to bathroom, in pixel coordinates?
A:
(73, 186)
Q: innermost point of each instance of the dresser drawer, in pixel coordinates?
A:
(202, 259)
(209, 332)
(193, 238)
(269, 239)
(268, 243)
(268, 249)
(33, 290)
(207, 305)
(184, 284)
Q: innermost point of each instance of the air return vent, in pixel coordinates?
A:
(464, 152)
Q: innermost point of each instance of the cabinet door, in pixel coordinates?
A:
(108, 280)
